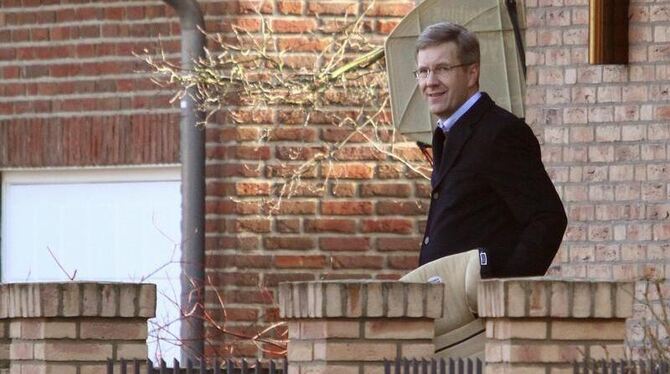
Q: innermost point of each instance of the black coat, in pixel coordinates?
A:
(490, 191)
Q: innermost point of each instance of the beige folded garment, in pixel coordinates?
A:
(459, 333)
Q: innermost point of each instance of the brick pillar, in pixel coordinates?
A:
(541, 325)
(73, 328)
(350, 327)
(4, 346)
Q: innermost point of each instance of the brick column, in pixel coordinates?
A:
(350, 327)
(4, 346)
(73, 328)
(540, 325)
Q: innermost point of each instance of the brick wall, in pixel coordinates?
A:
(533, 325)
(605, 133)
(367, 223)
(73, 327)
(351, 327)
(540, 325)
(72, 93)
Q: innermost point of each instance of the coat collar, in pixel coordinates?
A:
(445, 155)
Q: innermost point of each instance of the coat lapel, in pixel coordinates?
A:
(438, 149)
(458, 136)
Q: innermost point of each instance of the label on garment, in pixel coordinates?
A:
(483, 261)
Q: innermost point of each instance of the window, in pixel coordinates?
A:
(97, 224)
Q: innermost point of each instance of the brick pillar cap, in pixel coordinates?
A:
(360, 298)
(77, 299)
(555, 297)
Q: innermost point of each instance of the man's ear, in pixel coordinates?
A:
(473, 75)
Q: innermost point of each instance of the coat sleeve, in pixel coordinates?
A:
(517, 174)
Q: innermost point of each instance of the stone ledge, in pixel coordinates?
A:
(552, 297)
(77, 299)
(354, 299)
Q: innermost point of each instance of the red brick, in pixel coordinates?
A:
(403, 208)
(272, 315)
(357, 262)
(287, 225)
(288, 242)
(292, 134)
(302, 44)
(239, 279)
(247, 297)
(300, 62)
(244, 243)
(234, 207)
(248, 24)
(663, 112)
(235, 314)
(257, 225)
(290, 153)
(296, 207)
(330, 225)
(398, 244)
(299, 189)
(238, 261)
(322, 7)
(403, 262)
(359, 153)
(250, 189)
(344, 244)
(255, 6)
(273, 279)
(390, 8)
(346, 207)
(290, 170)
(313, 262)
(391, 225)
(337, 134)
(385, 27)
(348, 171)
(290, 7)
(343, 189)
(293, 25)
(389, 171)
(347, 276)
(247, 170)
(385, 189)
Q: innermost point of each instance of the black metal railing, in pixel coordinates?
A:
(230, 366)
(621, 367)
(434, 366)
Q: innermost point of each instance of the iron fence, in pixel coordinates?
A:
(434, 366)
(400, 366)
(621, 367)
(230, 366)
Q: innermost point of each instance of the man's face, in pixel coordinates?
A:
(446, 90)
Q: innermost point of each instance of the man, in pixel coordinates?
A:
(489, 188)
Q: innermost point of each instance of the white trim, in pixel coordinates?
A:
(90, 175)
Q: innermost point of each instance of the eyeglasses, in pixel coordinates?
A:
(439, 71)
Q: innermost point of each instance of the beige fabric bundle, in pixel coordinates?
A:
(459, 333)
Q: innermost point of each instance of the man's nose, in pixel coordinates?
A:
(431, 78)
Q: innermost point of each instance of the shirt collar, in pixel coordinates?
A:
(448, 123)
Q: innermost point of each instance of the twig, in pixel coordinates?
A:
(70, 277)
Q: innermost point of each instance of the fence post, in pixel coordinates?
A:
(73, 328)
(350, 327)
(538, 325)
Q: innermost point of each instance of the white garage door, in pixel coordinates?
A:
(99, 224)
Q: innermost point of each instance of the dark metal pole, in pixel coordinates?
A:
(192, 154)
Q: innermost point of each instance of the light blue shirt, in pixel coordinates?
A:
(447, 124)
